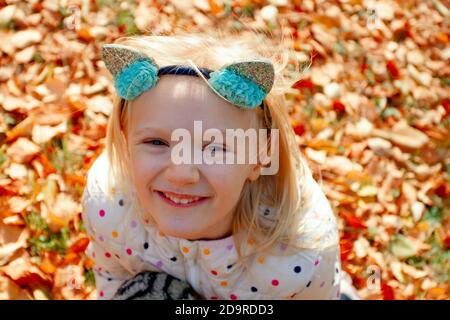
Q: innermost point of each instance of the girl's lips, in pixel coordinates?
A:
(181, 205)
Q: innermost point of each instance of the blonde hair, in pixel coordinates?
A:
(285, 191)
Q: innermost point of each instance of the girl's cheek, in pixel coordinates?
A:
(145, 167)
(226, 176)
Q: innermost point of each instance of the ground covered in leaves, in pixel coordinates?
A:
(371, 114)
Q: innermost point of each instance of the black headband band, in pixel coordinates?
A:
(188, 71)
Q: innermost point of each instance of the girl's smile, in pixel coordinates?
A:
(181, 200)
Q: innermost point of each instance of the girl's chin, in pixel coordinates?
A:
(181, 234)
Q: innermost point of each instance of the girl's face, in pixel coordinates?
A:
(190, 201)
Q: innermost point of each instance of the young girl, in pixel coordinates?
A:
(228, 230)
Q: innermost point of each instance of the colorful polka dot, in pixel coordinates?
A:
(173, 259)
(133, 224)
(230, 247)
(275, 282)
(117, 256)
(283, 247)
(101, 213)
(114, 234)
(102, 294)
(159, 264)
(297, 269)
(233, 297)
(261, 259)
(101, 238)
(224, 283)
(229, 266)
(322, 284)
(214, 272)
(145, 245)
(185, 249)
(121, 202)
(107, 254)
(316, 262)
(109, 279)
(129, 251)
(206, 251)
(213, 298)
(253, 289)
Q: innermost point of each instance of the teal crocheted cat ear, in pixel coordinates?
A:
(244, 84)
(134, 72)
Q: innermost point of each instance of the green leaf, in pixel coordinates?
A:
(35, 222)
(89, 278)
(389, 111)
(340, 49)
(402, 247)
(395, 193)
(433, 215)
(416, 261)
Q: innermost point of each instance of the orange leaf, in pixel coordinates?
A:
(73, 179)
(89, 263)
(79, 246)
(48, 166)
(71, 258)
(352, 220)
(215, 8)
(346, 248)
(85, 35)
(47, 266)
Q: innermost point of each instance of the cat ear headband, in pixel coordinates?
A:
(244, 84)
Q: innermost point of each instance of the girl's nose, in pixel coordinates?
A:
(182, 174)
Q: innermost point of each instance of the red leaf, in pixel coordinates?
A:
(299, 129)
(352, 220)
(446, 104)
(447, 242)
(443, 190)
(364, 67)
(393, 70)
(303, 84)
(339, 107)
(387, 291)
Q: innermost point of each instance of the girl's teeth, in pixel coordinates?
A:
(182, 201)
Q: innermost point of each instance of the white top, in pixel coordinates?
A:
(122, 246)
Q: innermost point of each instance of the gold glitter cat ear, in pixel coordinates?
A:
(244, 84)
(134, 72)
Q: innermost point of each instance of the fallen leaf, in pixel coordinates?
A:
(402, 247)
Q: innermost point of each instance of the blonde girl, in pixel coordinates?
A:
(229, 230)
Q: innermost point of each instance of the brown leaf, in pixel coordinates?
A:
(23, 272)
(10, 291)
(23, 150)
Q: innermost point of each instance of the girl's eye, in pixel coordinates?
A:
(215, 148)
(156, 142)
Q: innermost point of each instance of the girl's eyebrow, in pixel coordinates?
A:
(150, 129)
